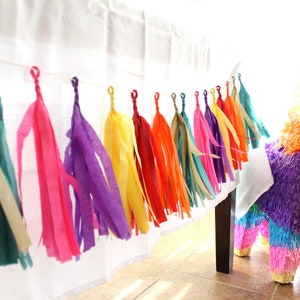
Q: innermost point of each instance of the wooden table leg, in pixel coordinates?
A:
(224, 233)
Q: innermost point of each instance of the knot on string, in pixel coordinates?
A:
(111, 92)
(219, 91)
(75, 86)
(182, 95)
(205, 97)
(227, 88)
(240, 78)
(233, 81)
(173, 96)
(156, 98)
(212, 91)
(35, 73)
(134, 95)
(197, 99)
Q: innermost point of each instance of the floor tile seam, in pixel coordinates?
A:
(222, 282)
(152, 283)
(274, 291)
(192, 252)
(187, 256)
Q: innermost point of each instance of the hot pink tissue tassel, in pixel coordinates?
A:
(57, 228)
(203, 137)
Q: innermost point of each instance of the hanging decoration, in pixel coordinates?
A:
(152, 177)
(224, 126)
(246, 103)
(167, 152)
(197, 160)
(57, 229)
(194, 174)
(203, 136)
(140, 174)
(232, 112)
(233, 140)
(120, 143)
(14, 239)
(221, 163)
(98, 200)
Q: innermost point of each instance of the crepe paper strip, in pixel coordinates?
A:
(170, 162)
(232, 111)
(197, 159)
(247, 120)
(216, 148)
(18, 242)
(281, 201)
(14, 239)
(234, 141)
(153, 180)
(224, 126)
(189, 159)
(98, 196)
(289, 137)
(120, 143)
(245, 101)
(203, 135)
(57, 229)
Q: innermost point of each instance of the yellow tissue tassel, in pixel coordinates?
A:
(120, 143)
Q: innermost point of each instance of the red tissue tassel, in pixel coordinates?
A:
(148, 166)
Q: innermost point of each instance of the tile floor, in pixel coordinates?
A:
(182, 266)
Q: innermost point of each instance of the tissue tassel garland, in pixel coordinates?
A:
(14, 239)
(171, 165)
(57, 229)
(120, 143)
(97, 196)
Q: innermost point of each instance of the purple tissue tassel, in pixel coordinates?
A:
(97, 198)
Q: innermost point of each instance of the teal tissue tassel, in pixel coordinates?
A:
(9, 253)
(245, 101)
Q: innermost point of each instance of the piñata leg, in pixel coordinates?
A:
(265, 233)
(246, 231)
(284, 253)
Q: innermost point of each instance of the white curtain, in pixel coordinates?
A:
(129, 46)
